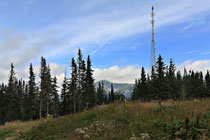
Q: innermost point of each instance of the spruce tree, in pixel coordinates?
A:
(103, 93)
(112, 93)
(2, 104)
(91, 95)
(143, 86)
(180, 86)
(55, 98)
(172, 82)
(163, 92)
(207, 83)
(32, 95)
(153, 85)
(26, 102)
(43, 86)
(148, 82)
(21, 95)
(106, 99)
(64, 96)
(109, 97)
(73, 88)
(186, 83)
(83, 85)
(12, 101)
(201, 85)
(197, 85)
(133, 94)
(100, 94)
(48, 90)
(80, 80)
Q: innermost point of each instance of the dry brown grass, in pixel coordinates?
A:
(17, 128)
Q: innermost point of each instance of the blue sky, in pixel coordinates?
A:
(116, 33)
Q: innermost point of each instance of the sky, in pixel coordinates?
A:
(115, 33)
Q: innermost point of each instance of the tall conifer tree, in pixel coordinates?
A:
(43, 85)
(112, 93)
(55, 98)
(32, 95)
(172, 82)
(64, 91)
(2, 104)
(80, 80)
(207, 83)
(12, 97)
(135, 91)
(100, 94)
(90, 84)
(143, 86)
(162, 93)
(83, 85)
(73, 91)
(48, 90)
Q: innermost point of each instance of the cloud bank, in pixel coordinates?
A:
(130, 73)
(114, 74)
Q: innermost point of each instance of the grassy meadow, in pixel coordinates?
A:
(134, 121)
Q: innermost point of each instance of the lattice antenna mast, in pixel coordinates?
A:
(65, 72)
(152, 57)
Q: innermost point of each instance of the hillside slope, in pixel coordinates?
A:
(114, 122)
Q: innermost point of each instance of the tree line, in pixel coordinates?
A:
(106, 98)
(31, 100)
(164, 83)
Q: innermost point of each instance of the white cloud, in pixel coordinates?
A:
(23, 73)
(119, 75)
(115, 74)
(58, 70)
(130, 73)
(199, 65)
(21, 48)
(3, 75)
(186, 28)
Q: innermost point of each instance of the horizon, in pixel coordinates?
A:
(117, 35)
(110, 82)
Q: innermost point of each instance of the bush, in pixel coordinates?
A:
(123, 119)
(183, 130)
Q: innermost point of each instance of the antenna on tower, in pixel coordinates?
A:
(65, 73)
(152, 57)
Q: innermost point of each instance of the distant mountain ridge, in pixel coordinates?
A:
(123, 88)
